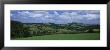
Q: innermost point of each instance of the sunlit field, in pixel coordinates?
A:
(81, 36)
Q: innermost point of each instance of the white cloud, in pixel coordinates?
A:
(56, 13)
(24, 12)
(38, 11)
(91, 11)
(74, 13)
(65, 17)
(11, 14)
(47, 16)
(36, 15)
(91, 16)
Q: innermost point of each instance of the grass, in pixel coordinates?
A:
(81, 36)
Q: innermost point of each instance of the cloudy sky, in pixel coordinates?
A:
(56, 16)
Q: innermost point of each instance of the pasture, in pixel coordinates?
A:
(80, 36)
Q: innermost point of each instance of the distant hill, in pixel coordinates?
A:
(12, 21)
(73, 23)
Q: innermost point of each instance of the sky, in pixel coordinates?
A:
(56, 16)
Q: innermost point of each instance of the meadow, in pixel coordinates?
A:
(81, 36)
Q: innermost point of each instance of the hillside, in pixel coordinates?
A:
(20, 30)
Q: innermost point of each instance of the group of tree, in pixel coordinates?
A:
(19, 30)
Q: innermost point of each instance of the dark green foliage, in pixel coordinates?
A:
(19, 30)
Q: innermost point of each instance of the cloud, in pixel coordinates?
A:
(56, 13)
(11, 14)
(35, 16)
(90, 16)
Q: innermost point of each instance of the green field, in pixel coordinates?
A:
(80, 36)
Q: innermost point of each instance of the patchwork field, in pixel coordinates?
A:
(80, 36)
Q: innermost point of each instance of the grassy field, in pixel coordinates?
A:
(81, 36)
